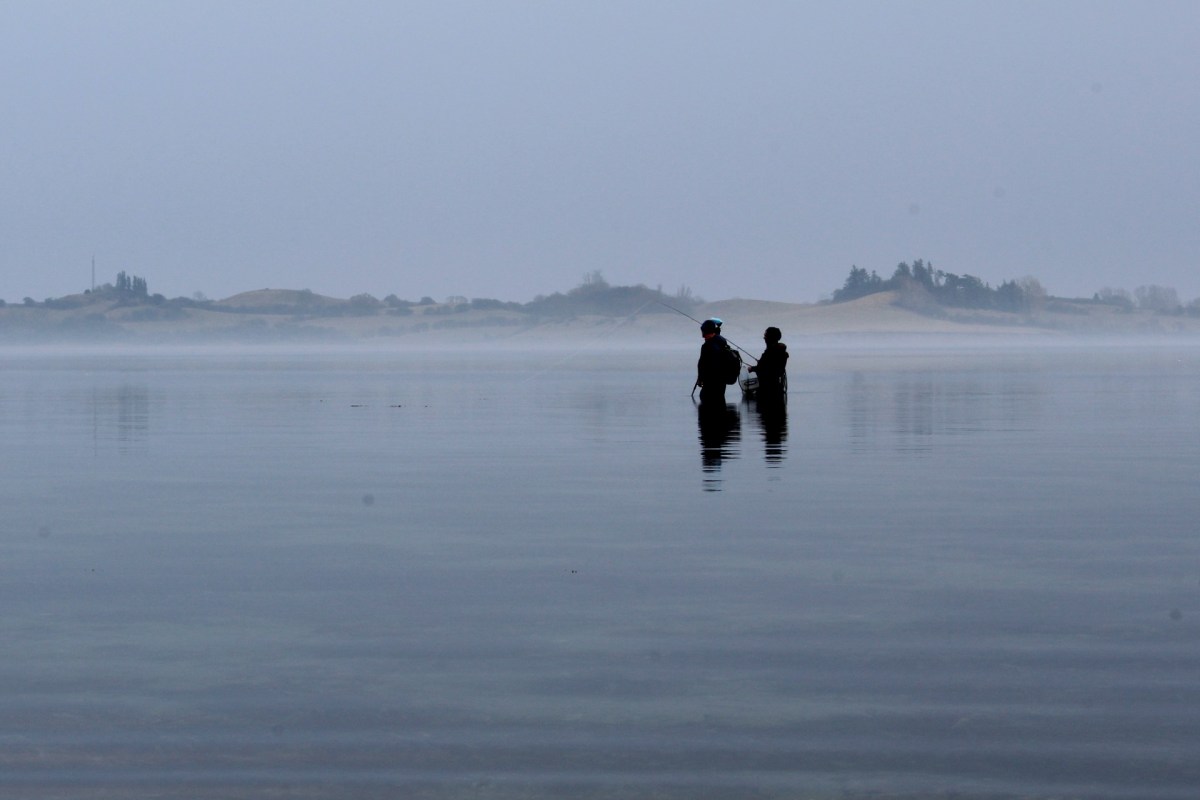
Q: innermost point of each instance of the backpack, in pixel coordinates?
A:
(731, 364)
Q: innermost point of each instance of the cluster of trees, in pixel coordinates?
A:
(593, 296)
(457, 304)
(128, 289)
(131, 285)
(1160, 299)
(921, 282)
(945, 288)
(596, 296)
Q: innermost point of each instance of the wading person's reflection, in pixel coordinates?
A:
(720, 430)
(772, 417)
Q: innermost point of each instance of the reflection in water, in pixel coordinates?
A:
(720, 432)
(772, 418)
(1013, 613)
(121, 413)
(911, 411)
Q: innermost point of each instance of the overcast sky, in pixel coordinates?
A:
(506, 149)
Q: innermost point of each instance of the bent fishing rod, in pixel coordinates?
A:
(698, 322)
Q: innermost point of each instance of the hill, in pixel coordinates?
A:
(285, 315)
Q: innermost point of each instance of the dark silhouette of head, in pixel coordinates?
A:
(772, 335)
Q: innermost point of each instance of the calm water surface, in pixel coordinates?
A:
(968, 574)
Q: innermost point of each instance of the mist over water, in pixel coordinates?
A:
(942, 572)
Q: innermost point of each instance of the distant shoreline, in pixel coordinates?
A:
(290, 317)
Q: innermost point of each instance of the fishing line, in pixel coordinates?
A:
(698, 322)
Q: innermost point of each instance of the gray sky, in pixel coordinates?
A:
(505, 149)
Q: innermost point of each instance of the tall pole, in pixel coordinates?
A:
(93, 274)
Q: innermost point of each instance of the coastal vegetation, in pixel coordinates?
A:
(920, 286)
(921, 280)
(126, 306)
(915, 297)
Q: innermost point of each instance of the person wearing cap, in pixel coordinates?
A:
(710, 369)
(771, 368)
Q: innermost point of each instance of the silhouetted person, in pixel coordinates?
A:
(711, 368)
(771, 369)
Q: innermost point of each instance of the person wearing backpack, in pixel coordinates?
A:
(715, 366)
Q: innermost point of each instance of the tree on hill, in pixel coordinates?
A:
(1114, 297)
(596, 296)
(944, 288)
(364, 304)
(1158, 299)
(131, 285)
(1162, 299)
(860, 284)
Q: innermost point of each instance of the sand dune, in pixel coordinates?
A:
(283, 315)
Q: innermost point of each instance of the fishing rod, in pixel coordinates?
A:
(698, 322)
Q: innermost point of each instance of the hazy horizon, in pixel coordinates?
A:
(505, 150)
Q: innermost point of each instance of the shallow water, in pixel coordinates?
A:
(960, 573)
